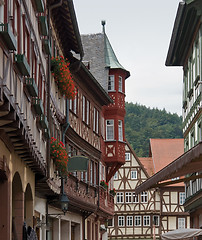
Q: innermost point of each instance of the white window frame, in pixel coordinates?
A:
(120, 130)
(111, 83)
(181, 223)
(181, 198)
(135, 198)
(120, 84)
(128, 197)
(129, 221)
(127, 156)
(146, 220)
(121, 221)
(119, 197)
(133, 174)
(110, 128)
(144, 197)
(138, 220)
(83, 108)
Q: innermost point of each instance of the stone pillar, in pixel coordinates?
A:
(5, 210)
(18, 205)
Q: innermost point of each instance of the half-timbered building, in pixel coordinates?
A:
(185, 50)
(150, 213)
(33, 110)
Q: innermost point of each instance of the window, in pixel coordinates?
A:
(73, 104)
(2, 11)
(137, 220)
(127, 156)
(133, 174)
(95, 120)
(181, 223)
(144, 197)
(199, 132)
(109, 129)
(120, 126)
(129, 220)
(128, 197)
(135, 198)
(146, 220)
(116, 176)
(121, 221)
(85, 110)
(182, 198)
(111, 222)
(120, 84)
(119, 197)
(192, 138)
(156, 220)
(111, 83)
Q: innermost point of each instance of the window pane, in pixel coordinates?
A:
(111, 83)
(110, 130)
(120, 131)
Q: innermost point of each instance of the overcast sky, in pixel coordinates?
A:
(139, 32)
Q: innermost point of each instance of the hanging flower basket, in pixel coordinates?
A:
(104, 184)
(59, 155)
(112, 192)
(63, 78)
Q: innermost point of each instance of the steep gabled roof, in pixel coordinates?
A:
(164, 151)
(111, 60)
(148, 164)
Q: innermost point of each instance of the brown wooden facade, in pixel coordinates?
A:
(32, 110)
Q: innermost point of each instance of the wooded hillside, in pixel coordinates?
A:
(143, 123)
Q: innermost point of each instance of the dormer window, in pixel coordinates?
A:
(120, 84)
(111, 83)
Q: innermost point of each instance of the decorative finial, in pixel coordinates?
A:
(103, 22)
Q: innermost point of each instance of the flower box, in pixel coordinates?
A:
(8, 36)
(43, 25)
(39, 6)
(59, 156)
(22, 64)
(43, 121)
(46, 46)
(104, 184)
(62, 76)
(31, 87)
(37, 105)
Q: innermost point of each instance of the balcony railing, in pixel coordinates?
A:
(106, 201)
(7, 35)
(37, 105)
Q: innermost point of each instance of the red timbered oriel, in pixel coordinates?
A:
(111, 75)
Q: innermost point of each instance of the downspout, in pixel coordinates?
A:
(48, 102)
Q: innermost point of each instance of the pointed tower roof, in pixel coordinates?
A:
(110, 57)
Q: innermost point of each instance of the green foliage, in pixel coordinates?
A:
(142, 123)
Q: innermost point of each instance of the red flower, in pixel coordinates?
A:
(59, 155)
(63, 77)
